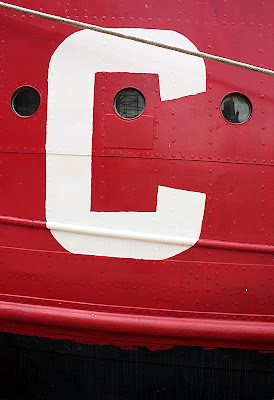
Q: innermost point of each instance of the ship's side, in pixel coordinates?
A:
(152, 230)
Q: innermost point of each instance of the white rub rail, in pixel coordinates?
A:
(121, 234)
(84, 25)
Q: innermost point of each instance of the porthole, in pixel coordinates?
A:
(129, 103)
(236, 108)
(25, 101)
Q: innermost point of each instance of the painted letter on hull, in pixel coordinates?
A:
(97, 211)
(176, 224)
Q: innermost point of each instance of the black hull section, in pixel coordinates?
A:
(33, 368)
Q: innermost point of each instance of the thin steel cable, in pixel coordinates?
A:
(84, 25)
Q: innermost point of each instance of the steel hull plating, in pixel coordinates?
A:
(201, 274)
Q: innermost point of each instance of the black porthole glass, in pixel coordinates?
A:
(25, 101)
(129, 103)
(236, 108)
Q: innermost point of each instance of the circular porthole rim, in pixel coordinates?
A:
(15, 94)
(249, 102)
(114, 103)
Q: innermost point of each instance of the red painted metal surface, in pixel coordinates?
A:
(141, 132)
(155, 328)
(219, 292)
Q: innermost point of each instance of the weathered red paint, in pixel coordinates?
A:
(217, 293)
